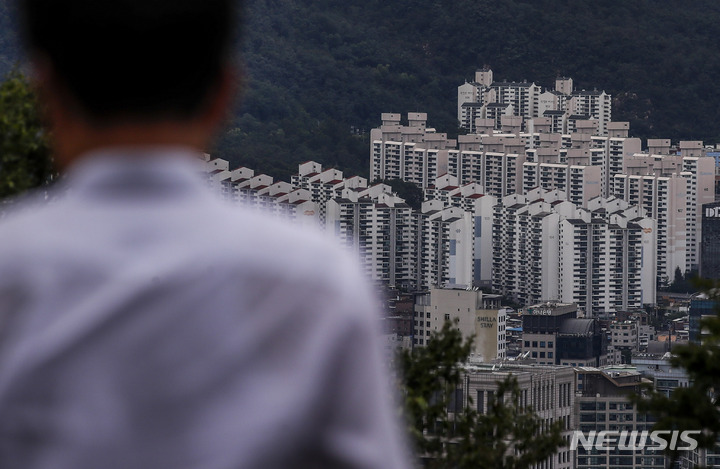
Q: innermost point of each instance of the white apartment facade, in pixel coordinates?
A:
(470, 237)
(663, 198)
(381, 231)
(485, 98)
(666, 194)
(601, 258)
(407, 152)
(595, 104)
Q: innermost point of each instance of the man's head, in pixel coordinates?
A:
(130, 61)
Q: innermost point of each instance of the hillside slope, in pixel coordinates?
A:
(316, 70)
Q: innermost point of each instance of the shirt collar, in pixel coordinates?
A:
(136, 172)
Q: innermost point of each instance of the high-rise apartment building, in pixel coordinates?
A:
(523, 211)
(596, 105)
(406, 152)
(663, 198)
(261, 192)
(563, 107)
(602, 258)
(380, 230)
(523, 96)
(699, 174)
(470, 238)
(579, 182)
(611, 151)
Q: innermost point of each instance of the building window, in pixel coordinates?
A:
(534, 354)
(542, 354)
(550, 354)
(550, 345)
(542, 344)
(527, 343)
(534, 344)
(447, 316)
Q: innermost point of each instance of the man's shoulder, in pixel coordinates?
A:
(206, 232)
(305, 269)
(26, 219)
(269, 243)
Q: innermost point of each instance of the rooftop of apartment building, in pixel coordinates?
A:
(515, 84)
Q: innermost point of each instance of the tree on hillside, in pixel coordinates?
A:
(696, 407)
(683, 283)
(508, 436)
(25, 160)
(410, 192)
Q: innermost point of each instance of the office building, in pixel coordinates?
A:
(554, 335)
(548, 389)
(700, 307)
(658, 369)
(602, 405)
(475, 314)
(710, 241)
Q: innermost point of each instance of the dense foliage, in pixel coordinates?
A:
(696, 407)
(508, 436)
(408, 191)
(320, 73)
(25, 160)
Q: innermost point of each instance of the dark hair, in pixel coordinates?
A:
(134, 58)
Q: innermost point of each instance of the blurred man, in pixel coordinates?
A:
(145, 324)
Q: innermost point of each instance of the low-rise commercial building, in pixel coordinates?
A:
(476, 315)
(554, 335)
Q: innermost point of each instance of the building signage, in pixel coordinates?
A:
(712, 212)
(541, 312)
(487, 321)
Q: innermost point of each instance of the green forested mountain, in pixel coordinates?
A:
(317, 69)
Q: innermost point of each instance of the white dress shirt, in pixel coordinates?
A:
(146, 324)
